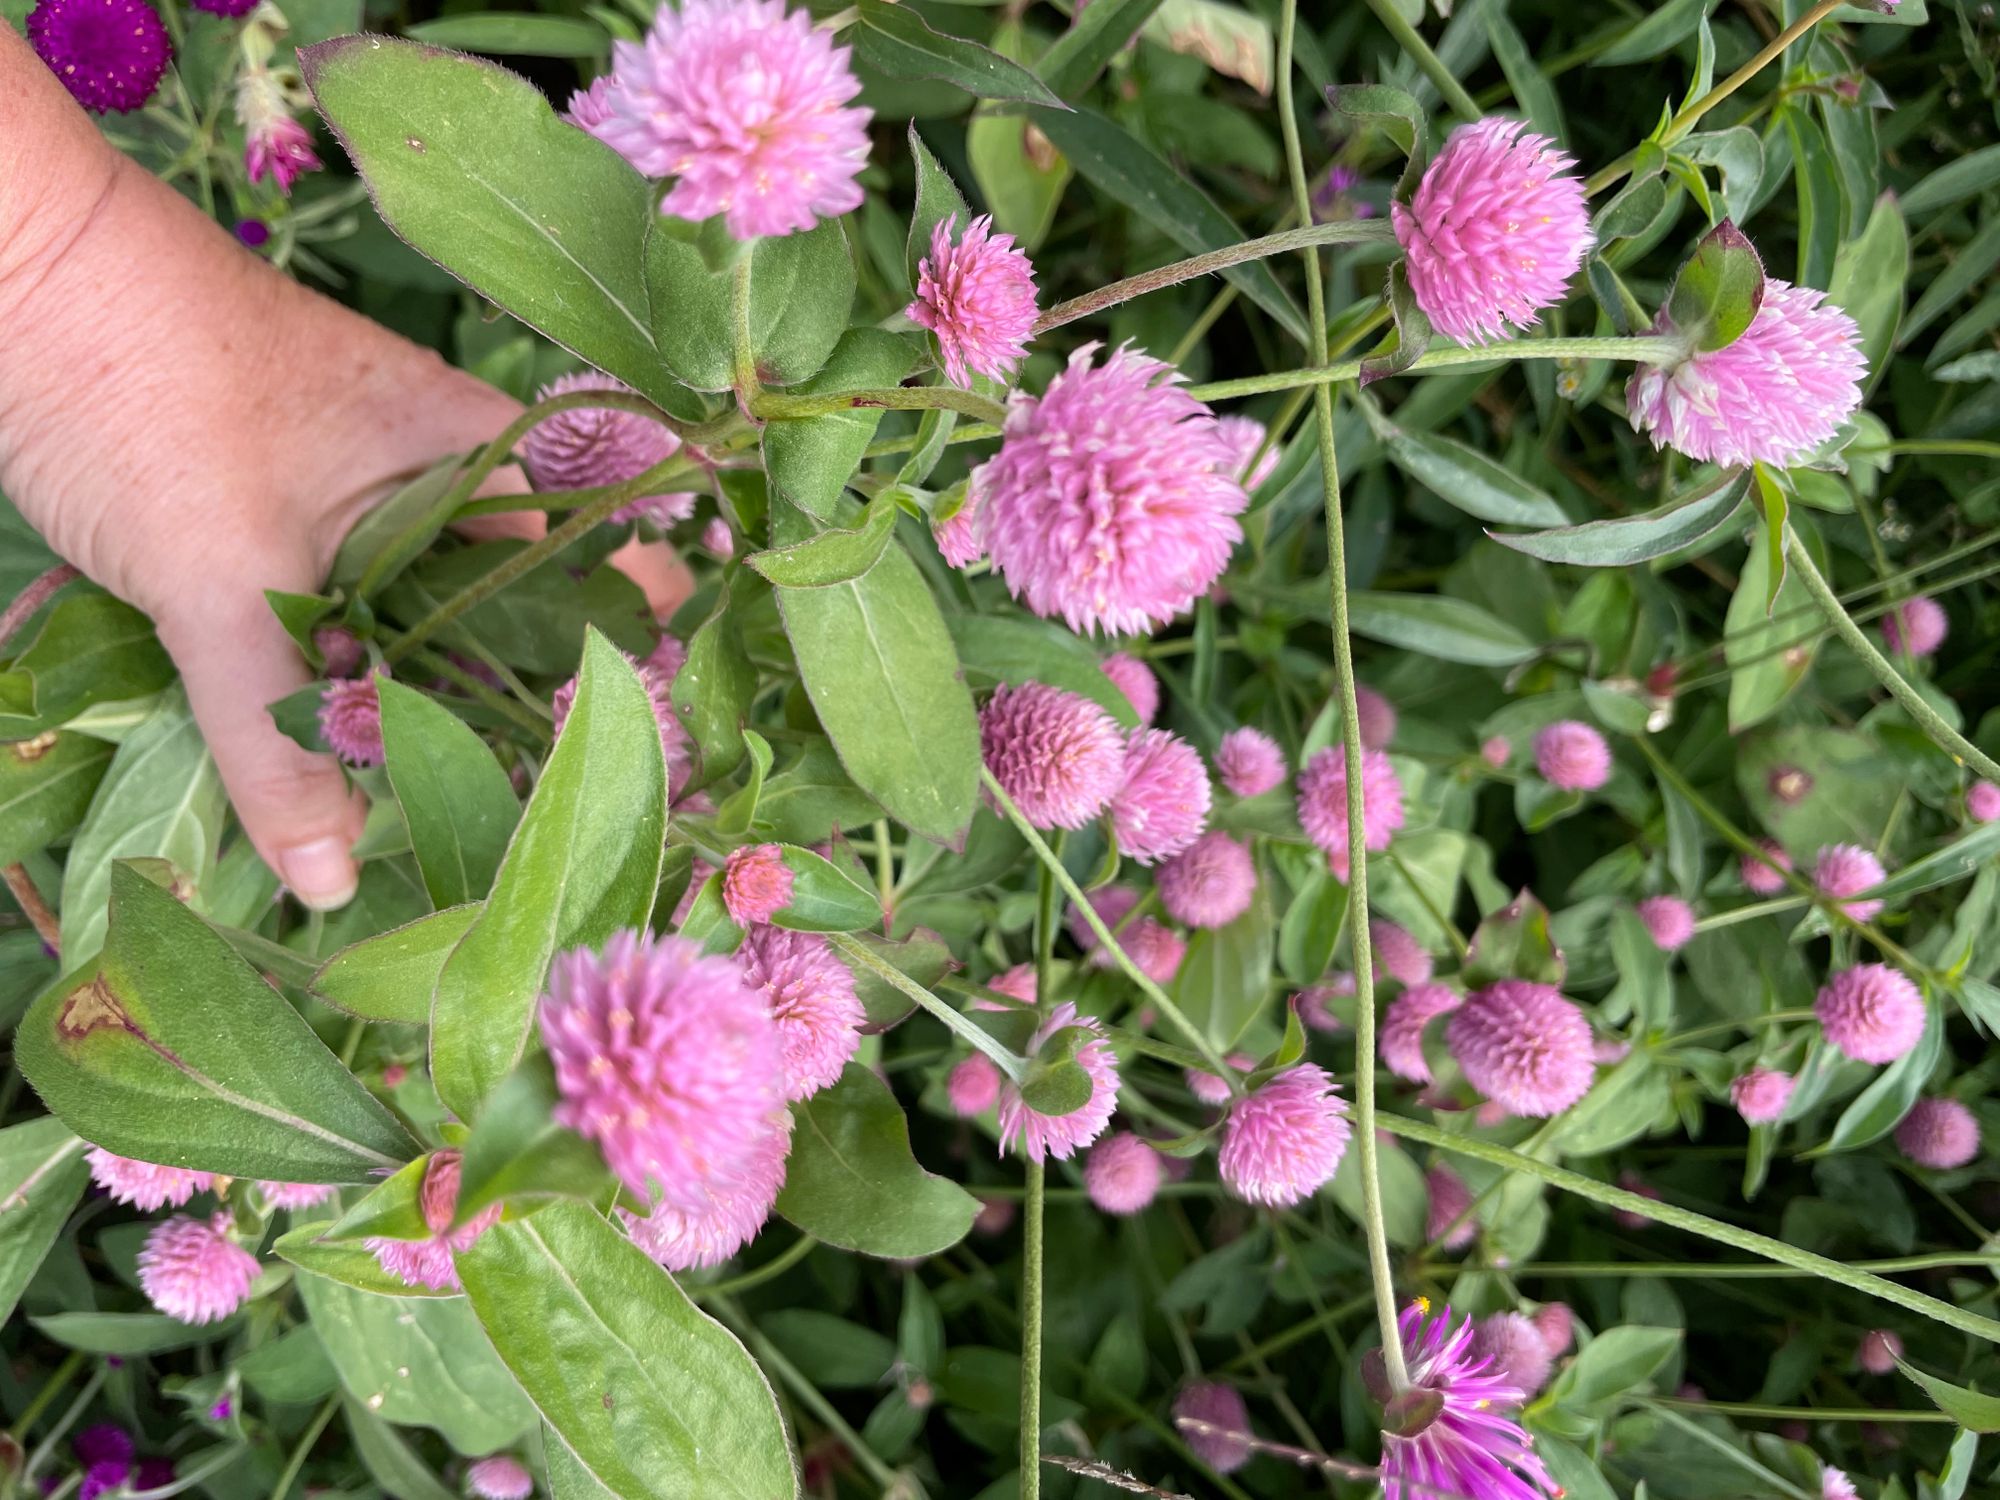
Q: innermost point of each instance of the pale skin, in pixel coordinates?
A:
(189, 427)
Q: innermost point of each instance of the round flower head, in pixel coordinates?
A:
(667, 1059)
(1669, 921)
(295, 1195)
(718, 538)
(142, 1184)
(1772, 396)
(1556, 1323)
(102, 1478)
(1283, 1142)
(1465, 1446)
(1041, 1136)
(813, 1000)
(1524, 1046)
(973, 1086)
(1834, 1483)
(1403, 1023)
(1122, 1173)
(1982, 802)
(596, 445)
(350, 719)
(275, 145)
(1494, 231)
(756, 886)
(1496, 751)
(1398, 955)
(978, 297)
(737, 1208)
(1847, 870)
(500, 1477)
(1917, 626)
(1242, 438)
(1323, 804)
(744, 105)
(1758, 876)
(1055, 753)
(428, 1262)
(1515, 1348)
(1212, 1088)
(1249, 762)
(1212, 1418)
(1871, 1012)
(1210, 883)
(1938, 1133)
(1376, 716)
(1572, 756)
(1105, 506)
(961, 536)
(1161, 804)
(1878, 1351)
(1761, 1094)
(659, 685)
(1154, 948)
(1449, 1221)
(191, 1270)
(103, 1443)
(110, 54)
(1136, 681)
(668, 656)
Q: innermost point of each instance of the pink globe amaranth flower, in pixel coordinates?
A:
(1041, 1136)
(1467, 1447)
(1878, 1351)
(1847, 870)
(1161, 804)
(813, 1000)
(1757, 874)
(350, 719)
(1315, 1003)
(1938, 1133)
(667, 1059)
(1775, 394)
(1283, 1142)
(1398, 955)
(590, 107)
(1017, 983)
(961, 537)
(1249, 762)
(978, 297)
(1496, 751)
(428, 1262)
(1212, 1088)
(1572, 756)
(1917, 626)
(1376, 716)
(192, 1271)
(1136, 681)
(110, 54)
(1982, 802)
(668, 656)
(1448, 1221)
(1556, 1323)
(1213, 1420)
(102, 1478)
(719, 539)
(1523, 1045)
(659, 686)
(1323, 804)
(1834, 1483)
(973, 1085)
(275, 145)
(143, 1184)
(1669, 921)
(1761, 1094)
(1105, 506)
(736, 1209)
(499, 1477)
(1210, 883)
(1122, 1173)
(745, 106)
(756, 886)
(339, 649)
(1241, 438)
(295, 1195)
(1403, 1023)
(588, 446)
(1154, 948)
(1516, 1350)
(1055, 753)
(1494, 231)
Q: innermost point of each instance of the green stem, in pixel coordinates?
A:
(772, 407)
(1031, 1337)
(809, 1397)
(1692, 1270)
(303, 1449)
(1778, 1484)
(1007, 1062)
(63, 1423)
(1802, 1413)
(51, 1388)
(1644, 350)
(771, 1270)
(502, 505)
(1428, 62)
(1933, 447)
(500, 703)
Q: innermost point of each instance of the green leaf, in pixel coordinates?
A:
(456, 801)
(42, 1175)
(1622, 541)
(1466, 478)
(852, 1182)
(811, 461)
(175, 1050)
(801, 287)
(584, 862)
(291, 1368)
(715, 686)
(811, 797)
(655, 1400)
(1092, 39)
(1515, 943)
(127, 1335)
(895, 40)
(1015, 649)
(1768, 654)
(824, 897)
(45, 790)
(513, 33)
(537, 622)
(1958, 179)
(92, 649)
(1966, 270)
(833, 556)
(1718, 290)
(1879, 1108)
(395, 533)
(1666, 26)
(389, 1460)
(390, 1210)
(517, 1153)
(390, 977)
(1225, 978)
(349, 1262)
(938, 200)
(831, 1352)
(1812, 785)
(1446, 628)
(1020, 176)
(922, 957)
(1617, 1361)
(1869, 274)
(1972, 1410)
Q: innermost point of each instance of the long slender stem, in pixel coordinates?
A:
(1428, 62)
(808, 1394)
(51, 1388)
(304, 1449)
(1802, 1413)
(771, 1270)
(772, 407)
(1695, 1270)
(858, 953)
(1031, 1336)
(1645, 350)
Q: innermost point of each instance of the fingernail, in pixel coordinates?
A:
(321, 873)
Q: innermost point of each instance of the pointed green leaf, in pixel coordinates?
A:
(456, 800)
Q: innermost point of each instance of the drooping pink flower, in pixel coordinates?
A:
(1496, 751)
(978, 297)
(1156, 949)
(736, 1208)
(590, 107)
(1136, 681)
(1834, 1483)
(1212, 1088)
(110, 54)
(1055, 753)
(659, 686)
(1982, 802)
(499, 1477)
(813, 1000)
(143, 1184)
(1061, 1136)
(1468, 1446)
(1878, 1351)
(1556, 1323)
(1122, 1173)
(1515, 1348)
(1398, 955)
(1448, 1221)
(1572, 756)
(1871, 1012)
(1210, 883)
(1376, 717)
(1249, 762)
(350, 719)
(1669, 921)
(428, 1262)
(275, 144)
(1104, 506)
(746, 107)
(191, 1270)
(1283, 1142)
(756, 886)
(1494, 232)
(1161, 804)
(1524, 1045)
(1323, 804)
(1241, 438)
(1401, 1043)
(961, 536)
(1772, 396)
(1761, 1094)
(296, 1195)
(1212, 1418)
(588, 446)
(1757, 874)
(1315, 1002)
(1847, 870)
(1917, 625)
(1938, 1133)
(973, 1085)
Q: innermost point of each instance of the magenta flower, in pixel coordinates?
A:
(1847, 870)
(1398, 955)
(1465, 1445)
(192, 1271)
(1982, 802)
(1056, 754)
(1834, 1483)
(1155, 949)
(1938, 1133)
(1241, 438)
(103, 1443)
(1669, 921)
(736, 1209)
(1375, 715)
(668, 656)
(1871, 1012)
(746, 107)
(500, 1477)
(1283, 1142)
(1122, 1173)
(756, 886)
(1757, 874)
(589, 446)
(428, 1262)
(1210, 883)
(1494, 231)
(1104, 506)
(1772, 396)
(1213, 1419)
(1323, 804)
(1524, 1046)
(973, 1086)
(1917, 626)
(275, 145)
(1572, 756)
(1878, 1351)
(813, 1000)
(1402, 1038)
(1249, 762)
(590, 108)
(1516, 1350)
(1161, 804)
(1556, 1323)
(719, 539)
(978, 297)
(1213, 1088)
(659, 685)
(1136, 681)
(110, 54)
(1061, 1136)
(141, 1183)
(350, 719)
(296, 1195)
(1315, 1003)
(1761, 1094)
(1449, 1221)
(1017, 983)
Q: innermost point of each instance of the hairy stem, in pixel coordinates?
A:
(1428, 62)
(1645, 350)
(1031, 1336)
(304, 1449)
(772, 407)
(954, 1021)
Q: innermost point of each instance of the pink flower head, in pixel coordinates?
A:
(1323, 804)
(1241, 438)
(1496, 751)
(110, 54)
(659, 686)
(1871, 1012)
(1403, 1023)
(588, 446)
(737, 1207)
(1136, 681)
(350, 719)
(428, 1262)
(1758, 876)
(191, 1270)
(668, 656)
(667, 1059)
(1761, 1094)
(973, 1086)
(1161, 804)
(1105, 506)
(1669, 921)
(1556, 1323)
(1283, 1142)
(961, 537)
(1154, 948)
(500, 1477)
(1938, 1133)
(1449, 1221)
(275, 145)
(1376, 716)
(1982, 802)
(745, 106)
(1494, 231)
(1055, 753)
(1061, 1136)
(1515, 1348)
(1249, 762)
(1524, 1046)
(1572, 756)
(1398, 955)
(296, 1195)
(1467, 1447)
(1878, 1351)
(1210, 883)
(1834, 1483)
(813, 1000)
(1847, 870)
(756, 886)
(1212, 1418)
(1017, 983)
(142, 1184)
(1775, 394)
(1917, 625)
(1315, 1003)
(978, 297)
(590, 107)
(1122, 1173)
(103, 1443)
(1212, 1088)
(718, 538)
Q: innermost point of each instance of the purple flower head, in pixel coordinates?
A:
(1449, 1221)
(110, 54)
(102, 1443)
(350, 719)
(1516, 1348)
